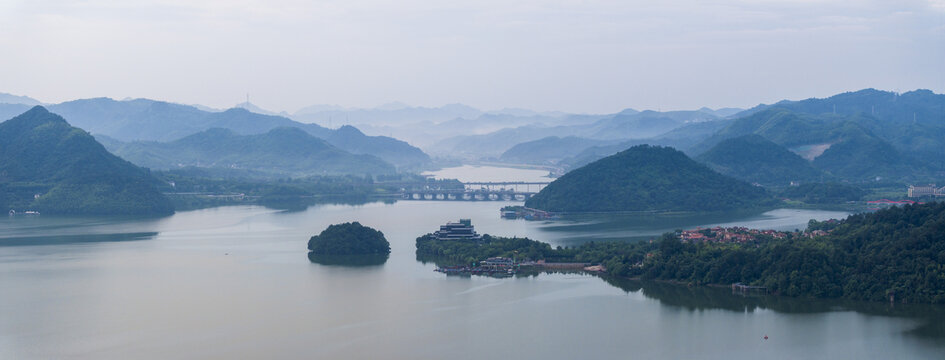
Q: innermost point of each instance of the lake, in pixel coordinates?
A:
(236, 282)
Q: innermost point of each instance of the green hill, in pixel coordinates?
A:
(49, 166)
(647, 178)
(860, 155)
(281, 151)
(755, 159)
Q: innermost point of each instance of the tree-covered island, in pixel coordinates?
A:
(896, 254)
(349, 239)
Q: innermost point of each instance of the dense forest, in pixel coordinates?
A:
(893, 254)
(349, 239)
(648, 178)
(49, 166)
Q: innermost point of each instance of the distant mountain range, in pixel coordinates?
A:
(389, 114)
(15, 99)
(549, 150)
(625, 125)
(871, 135)
(284, 152)
(51, 167)
(149, 120)
(855, 136)
(913, 121)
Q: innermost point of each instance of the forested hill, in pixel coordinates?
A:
(648, 178)
(898, 251)
(282, 151)
(41, 154)
(755, 159)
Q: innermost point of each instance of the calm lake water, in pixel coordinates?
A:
(236, 282)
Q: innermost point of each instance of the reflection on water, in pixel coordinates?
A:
(301, 204)
(930, 318)
(75, 239)
(575, 229)
(348, 260)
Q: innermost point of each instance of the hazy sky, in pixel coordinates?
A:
(576, 56)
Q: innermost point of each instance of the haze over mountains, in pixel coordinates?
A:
(16, 99)
(625, 125)
(856, 136)
(150, 120)
(284, 151)
(866, 135)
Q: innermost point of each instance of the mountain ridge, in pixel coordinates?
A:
(151, 120)
(280, 151)
(50, 166)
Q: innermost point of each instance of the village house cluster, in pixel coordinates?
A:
(736, 234)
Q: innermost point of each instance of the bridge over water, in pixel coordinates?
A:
(480, 191)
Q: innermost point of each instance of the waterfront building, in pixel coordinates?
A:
(920, 191)
(462, 230)
(497, 262)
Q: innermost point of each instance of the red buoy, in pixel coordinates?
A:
(766, 337)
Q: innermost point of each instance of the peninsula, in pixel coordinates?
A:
(894, 254)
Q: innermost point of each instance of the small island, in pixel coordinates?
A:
(349, 239)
